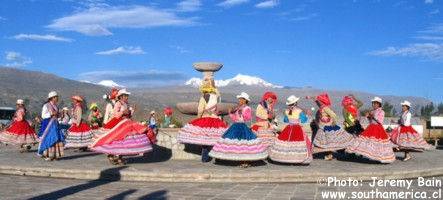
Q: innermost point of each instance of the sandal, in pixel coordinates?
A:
(111, 160)
(121, 162)
(244, 165)
(22, 150)
(407, 158)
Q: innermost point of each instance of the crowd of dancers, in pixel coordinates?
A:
(115, 134)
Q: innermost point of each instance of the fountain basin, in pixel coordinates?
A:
(191, 108)
(207, 66)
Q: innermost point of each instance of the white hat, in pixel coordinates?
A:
(122, 92)
(243, 95)
(406, 103)
(292, 99)
(65, 108)
(105, 96)
(377, 99)
(52, 94)
(153, 112)
(20, 101)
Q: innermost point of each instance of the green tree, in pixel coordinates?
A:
(389, 109)
(426, 111)
(439, 109)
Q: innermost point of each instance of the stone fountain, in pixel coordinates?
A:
(207, 69)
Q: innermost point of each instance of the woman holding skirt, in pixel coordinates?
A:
(52, 139)
(80, 134)
(374, 143)
(405, 136)
(329, 136)
(19, 132)
(292, 145)
(126, 138)
(208, 127)
(239, 143)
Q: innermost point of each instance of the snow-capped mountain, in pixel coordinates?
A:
(240, 79)
(110, 83)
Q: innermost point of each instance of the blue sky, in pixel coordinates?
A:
(379, 46)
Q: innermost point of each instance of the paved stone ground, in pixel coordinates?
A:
(151, 162)
(22, 187)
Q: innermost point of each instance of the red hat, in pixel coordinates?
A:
(324, 98)
(77, 98)
(347, 101)
(168, 111)
(269, 95)
(113, 94)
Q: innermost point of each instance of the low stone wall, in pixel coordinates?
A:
(167, 139)
(169, 146)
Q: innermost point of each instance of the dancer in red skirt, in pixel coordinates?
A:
(264, 116)
(208, 127)
(292, 145)
(374, 143)
(405, 136)
(79, 135)
(19, 132)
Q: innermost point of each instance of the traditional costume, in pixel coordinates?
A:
(350, 114)
(19, 132)
(110, 106)
(374, 143)
(405, 136)
(208, 128)
(95, 116)
(263, 127)
(292, 145)
(80, 134)
(125, 137)
(239, 143)
(329, 136)
(52, 139)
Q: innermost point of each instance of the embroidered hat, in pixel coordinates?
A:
(406, 103)
(168, 111)
(113, 94)
(244, 95)
(122, 92)
(292, 99)
(269, 95)
(52, 94)
(77, 98)
(153, 112)
(324, 98)
(20, 101)
(347, 100)
(377, 99)
(93, 105)
(207, 88)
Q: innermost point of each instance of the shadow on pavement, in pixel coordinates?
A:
(81, 155)
(238, 163)
(159, 195)
(160, 154)
(122, 195)
(106, 176)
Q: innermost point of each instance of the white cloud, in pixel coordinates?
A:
(2, 18)
(123, 50)
(180, 49)
(427, 37)
(41, 37)
(304, 18)
(434, 12)
(230, 3)
(267, 4)
(127, 78)
(15, 59)
(430, 51)
(429, 1)
(97, 20)
(189, 5)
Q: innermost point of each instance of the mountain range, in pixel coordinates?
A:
(34, 86)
